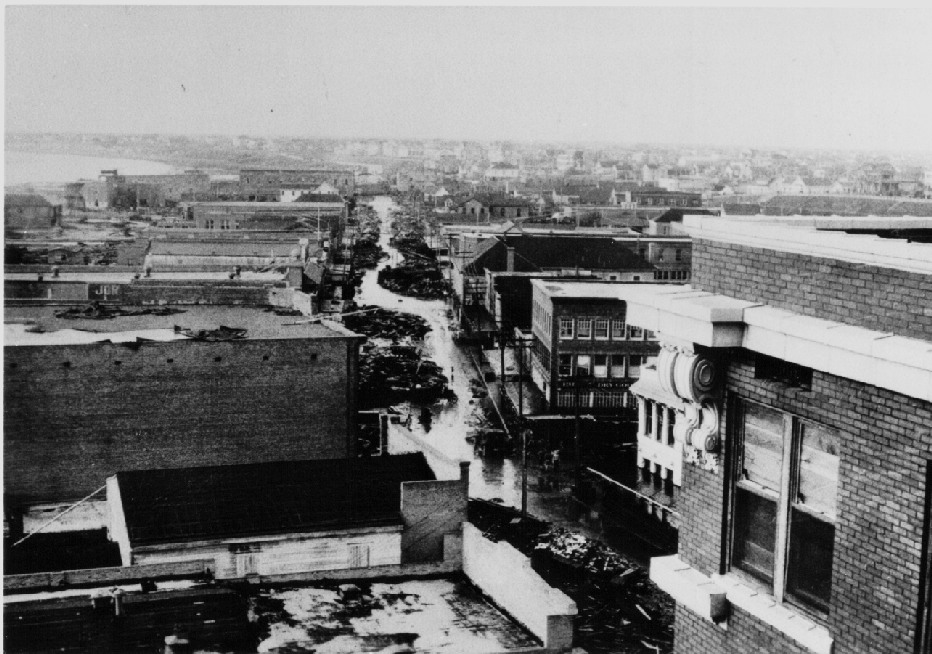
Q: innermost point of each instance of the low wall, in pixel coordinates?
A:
(504, 574)
(102, 576)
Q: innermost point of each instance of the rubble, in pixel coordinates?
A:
(220, 334)
(97, 311)
(388, 375)
(376, 322)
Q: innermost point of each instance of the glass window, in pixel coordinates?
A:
(600, 366)
(566, 365)
(786, 504)
(566, 328)
(584, 328)
(601, 328)
(583, 365)
(634, 366)
(617, 370)
(618, 328)
(635, 332)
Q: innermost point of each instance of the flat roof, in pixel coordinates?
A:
(823, 237)
(258, 323)
(126, 277)
(583, 290)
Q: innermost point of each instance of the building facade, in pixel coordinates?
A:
(81, 405)
(584, 353)
(794, 395)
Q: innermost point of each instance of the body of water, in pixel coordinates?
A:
(41, 168)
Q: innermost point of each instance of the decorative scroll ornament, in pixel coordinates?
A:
(695, 379)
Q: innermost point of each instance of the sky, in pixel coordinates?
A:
(842, 78)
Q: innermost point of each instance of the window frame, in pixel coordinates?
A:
(595, 329)
(786, 500)
(587, 321)
(572, 330)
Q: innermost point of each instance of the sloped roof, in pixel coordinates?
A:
(225, 248)
(191, 504)
(537, 253)
(676, 215)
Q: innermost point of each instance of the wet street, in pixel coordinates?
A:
(491, 478)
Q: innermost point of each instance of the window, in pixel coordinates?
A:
(677, 255)
(601, 329)
(635, 332)
(785, 504)
(584, 328)
(566, 328)
(600, 366)
(634, 366)
(583, 365)
(566, 365)
(618, 328)
(617, 366)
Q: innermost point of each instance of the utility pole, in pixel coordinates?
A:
(576, 460)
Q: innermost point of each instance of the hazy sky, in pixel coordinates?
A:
(835, 78)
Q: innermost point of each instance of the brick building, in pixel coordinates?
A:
(792, 402)
(22, 212)
(263, 180)
(583, 349)
(81, 405)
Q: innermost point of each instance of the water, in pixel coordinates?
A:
(489, 478)
(41, 168)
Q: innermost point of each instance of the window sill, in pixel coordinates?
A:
(689, 587)
(789, 621)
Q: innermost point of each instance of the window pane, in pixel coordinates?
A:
(566, 328)
(755, 534)
(601, 328)
(583, 363)
(818, 469)
(600, 365)
(618, 328)
(618, 366)
(634, 366)
(566, 365)
(763, 446)
(809, 568)
(584, 326)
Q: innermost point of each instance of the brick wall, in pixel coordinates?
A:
(867, 296)
(182, 403)
(745, 634)
(886, 442)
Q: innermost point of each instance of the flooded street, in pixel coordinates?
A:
(491, 478)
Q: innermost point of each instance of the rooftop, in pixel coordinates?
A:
(858, 240)
(258, 323)
(581, 290)
(190, 504)
(128, 276)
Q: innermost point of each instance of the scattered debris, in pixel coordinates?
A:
(388, 375)
(220, 334)
(97, 311)
(384, 323)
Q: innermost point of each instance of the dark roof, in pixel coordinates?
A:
(676, 215)
(537, 253)
(319, 197)
(25, 200)
(190, 504)
(494, 200)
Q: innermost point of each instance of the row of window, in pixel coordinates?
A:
(542, 318)
(601, 366)
(598, 399)
(600, 329)
(224, 223)
(671, 274)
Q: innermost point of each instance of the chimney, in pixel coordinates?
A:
(510, 261)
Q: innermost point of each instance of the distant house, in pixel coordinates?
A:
(502, 172)
(485, 207)
(29, 212)
(287, 517)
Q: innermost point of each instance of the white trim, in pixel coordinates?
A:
(689, 587)
(681, 314)
(783, 618)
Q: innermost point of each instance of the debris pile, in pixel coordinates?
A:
(415, 278)
(397, 373)
(220, 334)
(97, 311)
(384, 323)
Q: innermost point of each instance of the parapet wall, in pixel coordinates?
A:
(505, 574)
